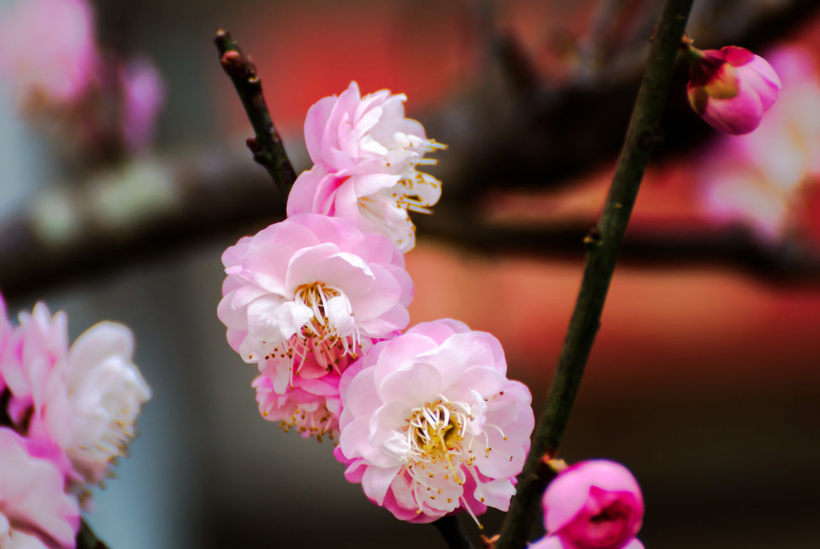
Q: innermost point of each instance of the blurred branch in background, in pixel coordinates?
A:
(542, 139)
(150, 210)
(533, 138)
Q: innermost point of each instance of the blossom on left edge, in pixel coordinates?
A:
(83, 399)
(431, 425)
(304, 297)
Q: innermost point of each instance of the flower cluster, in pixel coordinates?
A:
(592, 505)
(302, 299)
(66, 413)
(426, 420)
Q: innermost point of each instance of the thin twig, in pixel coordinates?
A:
(87, 539)
(5, 419)
(267, 147)
(453, 532)
(604, 243)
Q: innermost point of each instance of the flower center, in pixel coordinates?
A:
(327, 340)
(435, 432)
(315, 297)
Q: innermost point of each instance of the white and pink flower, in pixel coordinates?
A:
(304, 295)
(592, 505)
(366, 155)
(35, 511)
(84, 400)
(94, 403)
(431, 425)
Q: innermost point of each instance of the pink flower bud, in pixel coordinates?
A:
(731, 88)
(593, 505)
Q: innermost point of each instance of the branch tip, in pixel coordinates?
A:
(268, 150)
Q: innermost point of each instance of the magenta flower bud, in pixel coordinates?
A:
(593, 505)
(731, 88)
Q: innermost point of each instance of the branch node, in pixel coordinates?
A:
(488, 543)
(593, 237)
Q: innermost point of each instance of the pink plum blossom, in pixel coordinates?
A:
(35, 511)
(759, 178)
(731, 88)
(366, 154)
(431, 425)
(304, 296)
(48, 49)
(84, 400)
(143, 94)
(592, 505)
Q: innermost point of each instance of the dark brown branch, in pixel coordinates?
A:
(734, 248)
(453, 532)
(603, 245)
(267, 147)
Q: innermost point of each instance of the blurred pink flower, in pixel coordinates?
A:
(592, 505)
(48, 49)
(304, 296)
(84, 400)
(431, 425)
(95, 399)
(365, 154)
(759, 178)
(32, 352)
(34, 508)
(143, 91)
(731, 88)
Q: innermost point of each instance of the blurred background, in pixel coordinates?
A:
(123, 183)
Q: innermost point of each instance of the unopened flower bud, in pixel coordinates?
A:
(592, 505)
(731, 88)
